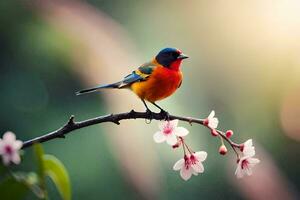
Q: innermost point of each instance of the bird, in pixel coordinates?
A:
(152, 81)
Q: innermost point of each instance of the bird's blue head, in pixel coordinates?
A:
(167, 56)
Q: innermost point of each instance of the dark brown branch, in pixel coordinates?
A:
(72, 125)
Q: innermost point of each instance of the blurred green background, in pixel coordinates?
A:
(244, 63)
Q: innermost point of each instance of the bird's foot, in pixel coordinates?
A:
(150, 114)
(165, 114)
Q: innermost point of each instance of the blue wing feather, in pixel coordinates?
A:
(131, 78)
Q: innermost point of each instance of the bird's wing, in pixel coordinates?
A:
(141, 74)
(147, 68)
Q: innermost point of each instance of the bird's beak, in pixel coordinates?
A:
(182, 56)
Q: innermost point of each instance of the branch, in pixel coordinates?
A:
(71, 125)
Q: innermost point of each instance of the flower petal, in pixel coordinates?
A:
(195, 173)
(178, 165)
(180, 131)
(162, 124)
(253, 161)
(166, 124)
(249, 149)
(201, 155)
(17, 144)
(213, 123)
(248, 171)
(186, 173)
(9, 136)
(171, 139)
(198, 167)
(1, 146)
(174, 123)
(248, 143)
(16, 158)
(239, 172)
(159, 137)
(211, 115)
(6, 159)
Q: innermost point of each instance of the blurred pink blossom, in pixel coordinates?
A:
(9, 148)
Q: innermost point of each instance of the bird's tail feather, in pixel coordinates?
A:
(94, 89)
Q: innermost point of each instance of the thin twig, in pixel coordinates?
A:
(72, 125)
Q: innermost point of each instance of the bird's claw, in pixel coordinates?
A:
(150, 114)
(165, 114)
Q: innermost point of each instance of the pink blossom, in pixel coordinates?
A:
(246, 162)
(211, 121)
(190, 164)
(168, 131)
(9, 148)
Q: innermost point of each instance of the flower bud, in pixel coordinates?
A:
(223, 149)
(229, 133)
(205, 122)
(214, 132)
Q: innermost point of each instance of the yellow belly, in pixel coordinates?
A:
(161, 84)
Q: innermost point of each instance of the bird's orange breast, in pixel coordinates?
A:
(162, 83)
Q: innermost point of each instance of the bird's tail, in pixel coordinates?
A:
(94, 89)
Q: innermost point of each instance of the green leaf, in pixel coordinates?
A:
(12, 189)
(39, 153)
(59, 175)
(49, 165)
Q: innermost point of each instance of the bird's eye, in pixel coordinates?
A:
(174, 54)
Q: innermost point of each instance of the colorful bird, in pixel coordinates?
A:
(152, 81)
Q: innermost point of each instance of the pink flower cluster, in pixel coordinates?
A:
(191, 163)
